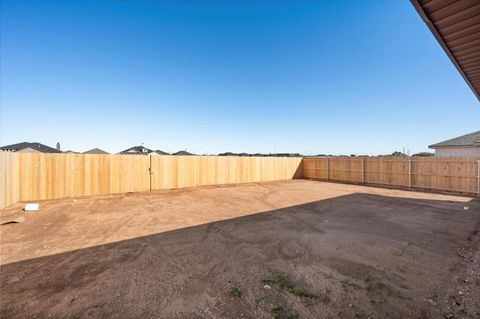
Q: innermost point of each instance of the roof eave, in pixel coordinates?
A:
(442, 43)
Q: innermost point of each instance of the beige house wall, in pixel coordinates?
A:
(457, 152)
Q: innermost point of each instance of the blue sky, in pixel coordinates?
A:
(310, 77)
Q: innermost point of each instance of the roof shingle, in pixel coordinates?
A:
(472, 139)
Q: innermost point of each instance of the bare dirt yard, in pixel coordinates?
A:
(296, 249)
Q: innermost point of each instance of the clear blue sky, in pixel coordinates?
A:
(312, 77)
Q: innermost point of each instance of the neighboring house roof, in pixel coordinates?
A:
(182, 153)
(36, 146)
(160, 152)
(71, 152)
(455, 25)
(262, 155)
(467, 140)
(136, 150)
(95, 151)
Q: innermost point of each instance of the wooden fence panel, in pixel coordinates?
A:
(392, 171)
(316, 168)
(345, 169)
(452, 174)
(189, 171)
(41, 176)
(422, 173)
(9, 179)
(309, 166)
(129, 173)
(459, 175)
(37, 176)
(46, 176)
(322, 169)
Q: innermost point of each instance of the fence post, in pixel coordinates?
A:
(363, 171)
(328, 168)
(409, 173)
(433, 173)
(150, 173)
(478, 178)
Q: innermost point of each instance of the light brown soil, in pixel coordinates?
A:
(363, 251)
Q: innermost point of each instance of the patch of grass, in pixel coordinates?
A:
(235, 291)
(368, 284)
(282, 281)
(260, 301)
(282, 312)
(371, 285)
(300, 292)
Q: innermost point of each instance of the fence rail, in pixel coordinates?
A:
(36, 176)
(458, 175)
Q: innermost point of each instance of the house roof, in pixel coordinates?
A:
(456, 26)
(95, 151)
(182, 153)
(35, 145)
(468, 140)
(136, 150)
(160, 152)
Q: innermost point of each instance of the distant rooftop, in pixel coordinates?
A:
(137, 150)
(467, 140)
(95, 151)
(160, 152)
(35, 145)
(182, 153)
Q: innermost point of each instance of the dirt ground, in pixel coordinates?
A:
(296, 249)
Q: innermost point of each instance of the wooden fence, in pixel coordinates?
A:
(36, 176)
(458, 175)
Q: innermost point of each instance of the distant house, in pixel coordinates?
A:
(463, 146)
(137, 150)
(261, 155)
(141, 150)
(26, 147)
(159, 152)
(182, 153)
(95, 151)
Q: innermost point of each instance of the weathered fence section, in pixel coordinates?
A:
(458, 175)
(37, 176)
